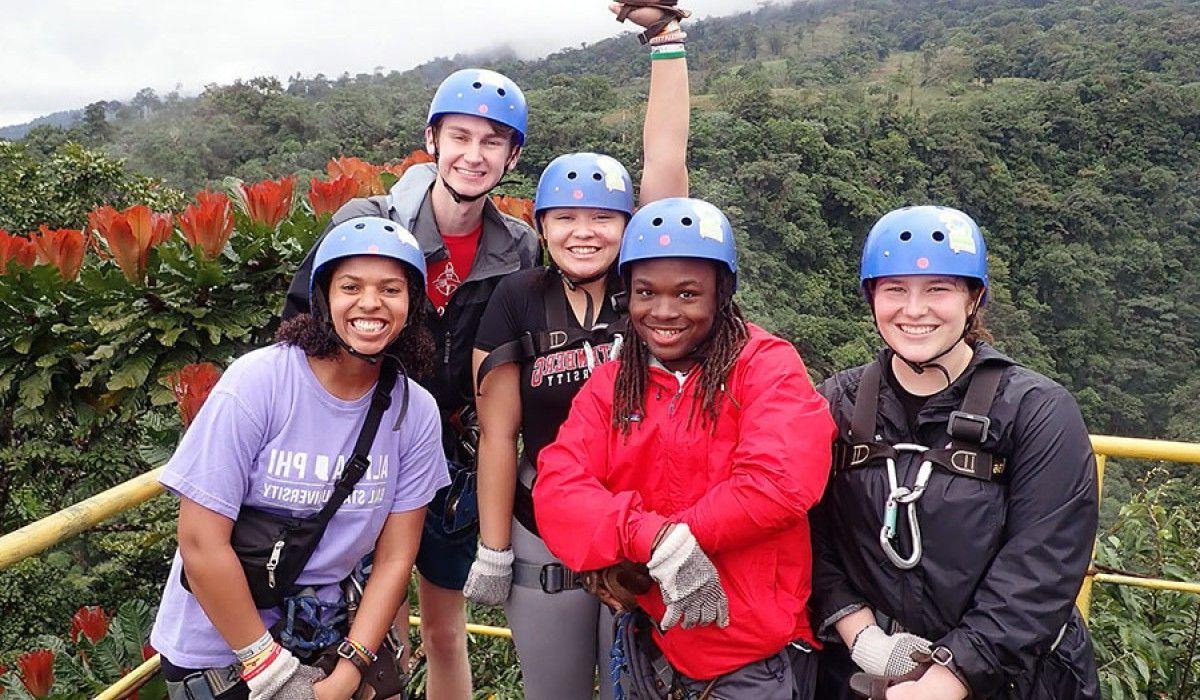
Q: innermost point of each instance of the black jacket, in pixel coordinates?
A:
(506, 245)
(1003, 560)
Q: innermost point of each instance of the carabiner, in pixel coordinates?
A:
(902, 495)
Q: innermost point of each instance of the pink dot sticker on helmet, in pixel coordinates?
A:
(664, 240)
(922, 263)
(577, 194)
(483, 109)
(372, 248)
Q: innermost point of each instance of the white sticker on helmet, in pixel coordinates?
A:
(614, 174)
(407, 238)
(958, 230)
(710, 222)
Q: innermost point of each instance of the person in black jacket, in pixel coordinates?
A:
(958, 526)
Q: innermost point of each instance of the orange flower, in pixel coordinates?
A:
(18, 250)
(362, 172)
(208, 223)
(327, 197)
(192, 385)
(515, 206)
(62, 248)
(270, 201)
(92, 621)
(37, 671)
(413, 158)
(130, 235)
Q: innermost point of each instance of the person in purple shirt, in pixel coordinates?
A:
(274, 435)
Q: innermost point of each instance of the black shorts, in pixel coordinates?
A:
(444, 559)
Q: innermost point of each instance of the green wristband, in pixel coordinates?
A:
(665, 56)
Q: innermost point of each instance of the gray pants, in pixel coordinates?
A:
(787, 675)
(561, 638)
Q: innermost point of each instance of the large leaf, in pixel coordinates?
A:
(133, 372)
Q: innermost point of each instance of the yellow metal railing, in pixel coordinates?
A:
(44, 534)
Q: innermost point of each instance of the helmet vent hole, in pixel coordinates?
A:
(657, 221)
(477, 85)
(686, 221)
(360, 226)
(939, 236)
(500, 92)
(906, 235)
(597, 177)
(389, 229)
(572, 175)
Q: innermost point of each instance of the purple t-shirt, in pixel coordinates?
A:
(271, 437)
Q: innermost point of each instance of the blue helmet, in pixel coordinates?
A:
(587, 180)
(481, 93)
(367, 235)
(925, 240)
(679, 227)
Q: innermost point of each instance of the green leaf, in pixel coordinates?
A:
(23, 343)
(104, 352)
(170, 335)
(133, 372)
(33, 389)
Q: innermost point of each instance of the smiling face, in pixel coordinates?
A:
(473, 153)
(583, 242)
(368, 301)
(920, 316)
(673, 305)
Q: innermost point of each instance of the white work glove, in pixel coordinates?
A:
(688, 581)
(490, 579)
(883, 654)
(265, 681)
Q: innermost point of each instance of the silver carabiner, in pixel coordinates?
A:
(902, 495)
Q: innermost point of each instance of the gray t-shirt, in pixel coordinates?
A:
(271, 437)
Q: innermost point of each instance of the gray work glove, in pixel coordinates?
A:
(490, 579)
(883, 654)
(284, 679)
(300, 685)
(688, 581)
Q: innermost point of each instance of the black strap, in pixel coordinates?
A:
(968, 429)
(866, 402)
(359, 460)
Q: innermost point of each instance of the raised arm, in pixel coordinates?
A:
(668, 111)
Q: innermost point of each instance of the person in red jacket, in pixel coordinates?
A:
(699, 454)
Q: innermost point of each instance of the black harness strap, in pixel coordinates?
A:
(561, 334)
(968, 429)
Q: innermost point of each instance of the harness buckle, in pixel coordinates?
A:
(859, 454)
(556, 578)
(964, 461)
(557, 339)
(968, 427)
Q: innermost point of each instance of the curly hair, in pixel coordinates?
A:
(717, 357)
(413, 346)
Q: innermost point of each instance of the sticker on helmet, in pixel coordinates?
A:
(710, 222)
(959, 230)
(614, 174)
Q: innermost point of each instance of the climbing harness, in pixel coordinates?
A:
(962, 456)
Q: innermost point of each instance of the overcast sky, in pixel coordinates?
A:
(63, 54)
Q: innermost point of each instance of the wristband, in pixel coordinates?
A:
(254, 648)
(250, 669)
(664, 55)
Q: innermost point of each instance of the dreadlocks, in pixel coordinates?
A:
(716, 359)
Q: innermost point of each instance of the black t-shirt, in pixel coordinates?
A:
(911, 402)
(550, 380)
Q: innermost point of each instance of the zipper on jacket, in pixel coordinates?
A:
(446, 354)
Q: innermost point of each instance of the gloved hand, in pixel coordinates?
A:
(300, 685)
(272, 669)
(688, 581)
(490, 579)
(882, 654)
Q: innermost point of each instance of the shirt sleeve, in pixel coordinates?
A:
(781, 462)
(212, 463)
(422, 465)
(582, 522)
(1029, 591)
(500, 322)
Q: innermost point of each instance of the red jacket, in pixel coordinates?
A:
(744, 491)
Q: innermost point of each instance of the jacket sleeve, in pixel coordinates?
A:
(581, 521)
(833, 596)
(781, 461)
(1029, 591)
